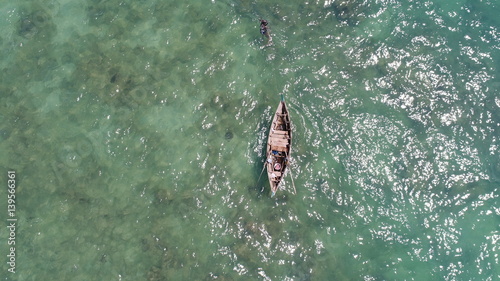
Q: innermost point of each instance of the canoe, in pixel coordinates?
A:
(278, 146)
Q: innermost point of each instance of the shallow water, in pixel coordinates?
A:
(137, 133)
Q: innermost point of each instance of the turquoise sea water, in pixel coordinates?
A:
(137, 129)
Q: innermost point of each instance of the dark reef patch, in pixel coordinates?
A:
(35, 21)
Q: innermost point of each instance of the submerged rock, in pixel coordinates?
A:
(347, 12)
(37, 21)
(27, 28)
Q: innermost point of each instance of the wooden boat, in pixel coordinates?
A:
(278, 146)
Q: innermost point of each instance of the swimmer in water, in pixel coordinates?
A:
(264, 30)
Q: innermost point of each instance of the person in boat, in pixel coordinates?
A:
(264, 30)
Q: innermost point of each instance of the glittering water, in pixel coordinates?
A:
(137, 132)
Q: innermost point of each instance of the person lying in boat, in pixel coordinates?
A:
(264, 30)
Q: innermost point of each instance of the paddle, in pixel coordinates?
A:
(262, 171)
(291, 176)
(263, 168)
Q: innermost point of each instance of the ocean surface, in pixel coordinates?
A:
(137, 132)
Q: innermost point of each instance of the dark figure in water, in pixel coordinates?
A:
(264, 30)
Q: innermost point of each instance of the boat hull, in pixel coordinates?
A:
(279, 144)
